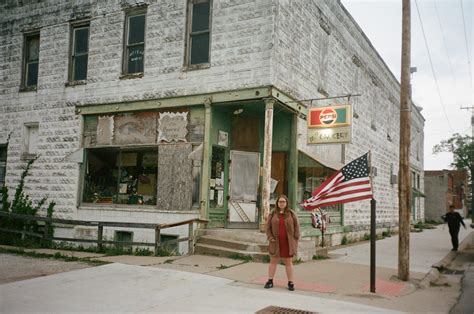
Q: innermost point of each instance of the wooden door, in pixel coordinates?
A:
(279, 173)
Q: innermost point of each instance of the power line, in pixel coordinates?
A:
(467, 47)
(445, 45)
(432, 68)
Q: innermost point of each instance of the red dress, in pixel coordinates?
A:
(283, 237)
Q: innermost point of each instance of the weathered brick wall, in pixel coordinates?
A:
(240, 57)
(320, 51)
(436, 190)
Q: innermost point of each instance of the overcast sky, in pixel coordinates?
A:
(446, 38)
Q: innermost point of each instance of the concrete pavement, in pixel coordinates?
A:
(213, 284)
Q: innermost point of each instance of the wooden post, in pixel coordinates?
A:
(404, 184)
(267, 161)
(100, 234)
(191, 238)
(157, 239)
(206, 168)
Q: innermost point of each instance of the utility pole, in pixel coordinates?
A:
(404, 184)
(471, 165)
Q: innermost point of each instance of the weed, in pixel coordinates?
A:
(143, 252)
(366, 237)
(246, 258)
(344, 240)
(222, 267)
(319, 257)
(266, 259)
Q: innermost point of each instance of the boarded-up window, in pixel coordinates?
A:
(175, 173)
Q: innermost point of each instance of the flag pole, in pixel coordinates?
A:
(373, 231)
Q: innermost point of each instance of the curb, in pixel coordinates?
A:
(436, 268)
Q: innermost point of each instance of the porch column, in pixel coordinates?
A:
(205, 171)
(267, 162)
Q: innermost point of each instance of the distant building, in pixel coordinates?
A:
(442, 189)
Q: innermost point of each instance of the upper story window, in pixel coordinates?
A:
(199, 32)
(79, 52)
(134, 49)
(30, 60)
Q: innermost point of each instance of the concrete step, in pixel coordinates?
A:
(239, 235)
(207, 249)
(232, 244)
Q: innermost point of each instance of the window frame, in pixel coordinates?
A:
(125, 48)
(3, 164)
(27, 127)
(72, 55)
(27, 37)
(190, 33)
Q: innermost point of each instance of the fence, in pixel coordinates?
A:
(48, 222)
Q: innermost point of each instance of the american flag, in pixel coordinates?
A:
(350, 184)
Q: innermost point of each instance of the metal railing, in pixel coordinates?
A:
(48, 222)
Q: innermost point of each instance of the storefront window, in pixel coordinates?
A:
(311, 174)
(115, 176)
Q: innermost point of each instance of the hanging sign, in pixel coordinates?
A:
(172, 126)
(330, 125)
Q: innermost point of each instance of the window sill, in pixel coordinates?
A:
(131, 76)
(195, 67)
(75, 83)
(26, 156)
(25, 89)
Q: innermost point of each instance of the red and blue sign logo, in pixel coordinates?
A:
(329, 117)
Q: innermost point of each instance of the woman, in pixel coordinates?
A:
(283, 233)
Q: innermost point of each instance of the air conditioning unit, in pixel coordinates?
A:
(393, 179)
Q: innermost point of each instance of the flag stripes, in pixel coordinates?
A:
(350, 184)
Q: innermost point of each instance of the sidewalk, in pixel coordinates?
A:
(200, 283)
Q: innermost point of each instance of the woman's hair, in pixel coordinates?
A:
(287, 208)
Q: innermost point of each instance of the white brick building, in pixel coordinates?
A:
(85, 82)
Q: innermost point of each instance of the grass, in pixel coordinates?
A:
(246, 258)
(319, 257)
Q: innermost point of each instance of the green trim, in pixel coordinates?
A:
(417, 193)
(179, 101)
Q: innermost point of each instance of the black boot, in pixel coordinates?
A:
(269, 284)
(291, 286)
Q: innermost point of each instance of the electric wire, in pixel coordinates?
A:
(467, 46)
(445, 46)
(432, 68)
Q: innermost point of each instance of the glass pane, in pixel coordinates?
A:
(32, 74)
(200, 17)
(135, 59)
(100, 183)
(80, 68)
(33, 48)
(136, 33)
(200, 49)
(81, 44)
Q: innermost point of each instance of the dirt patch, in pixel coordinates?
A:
(16, 267)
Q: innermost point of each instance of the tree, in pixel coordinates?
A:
(462, 148)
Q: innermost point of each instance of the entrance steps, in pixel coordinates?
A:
(243, 244)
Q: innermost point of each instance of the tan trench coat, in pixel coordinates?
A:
(292, 229)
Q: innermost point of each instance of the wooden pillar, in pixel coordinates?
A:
(404, 184)
(293, 164)
(267, 161)
(205, 171)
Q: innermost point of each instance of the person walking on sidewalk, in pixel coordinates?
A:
(283, 233)
(454, 221)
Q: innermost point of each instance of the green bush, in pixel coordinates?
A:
(344, 240)
(22, 204)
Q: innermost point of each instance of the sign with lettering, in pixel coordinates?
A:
(330, 136)
(330, 117)
(172, 126)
